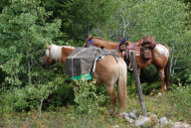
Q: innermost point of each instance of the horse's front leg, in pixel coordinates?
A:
(162, 78)
(112, 94)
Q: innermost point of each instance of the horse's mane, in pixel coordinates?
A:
(98, 38)
(66, 46)
(93, 37)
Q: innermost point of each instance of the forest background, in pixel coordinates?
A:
(28, 26)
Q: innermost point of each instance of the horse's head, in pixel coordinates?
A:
(47, 58)
(55, 53)
(88, 42)
(94, 41)
(123, 44)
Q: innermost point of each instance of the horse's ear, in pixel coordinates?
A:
(89, 37)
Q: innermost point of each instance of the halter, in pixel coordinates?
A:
(123, 41)
(90, 41)
(51, 54)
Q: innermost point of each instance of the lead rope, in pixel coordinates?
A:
(100, 58)
(95, 60)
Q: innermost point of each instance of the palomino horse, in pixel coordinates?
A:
(157, 54)
(108, 71)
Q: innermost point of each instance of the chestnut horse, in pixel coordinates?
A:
(99, 42)
(108, 71)
(159, 54)
(57, 53)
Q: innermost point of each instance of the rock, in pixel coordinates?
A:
(127, 117)
(143, 121)
(163, 121)
(181, 125)
(132, 115)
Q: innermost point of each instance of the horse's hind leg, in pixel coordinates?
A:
(112, 94)
(122, 95)
(122, 89)
(162, 78)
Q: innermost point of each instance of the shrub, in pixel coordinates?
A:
(180, 99)
(88, 98)
(28, 98)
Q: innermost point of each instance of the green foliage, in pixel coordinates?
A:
(182, 105)
(3, 4)
(181, 59)
(80, 16)
(87, 98)
(24, 32)
(30, 97)
(181, 70)
(163, 19)
(175, 105)
(63, 95)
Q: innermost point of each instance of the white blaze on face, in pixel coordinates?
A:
(47, 52)
(54, 52)
(162, 50)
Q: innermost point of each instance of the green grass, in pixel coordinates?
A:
(62, 118)
(175, 105)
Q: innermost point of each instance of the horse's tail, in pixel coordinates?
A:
(167, 72)
(122, 83)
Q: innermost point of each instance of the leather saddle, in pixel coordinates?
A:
(142, 48)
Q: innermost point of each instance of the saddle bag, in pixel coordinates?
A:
(81, 61)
